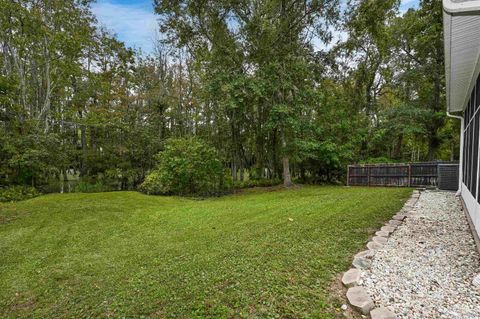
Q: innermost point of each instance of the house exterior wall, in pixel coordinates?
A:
(471, 176)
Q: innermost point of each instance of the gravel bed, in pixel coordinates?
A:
(426, 268)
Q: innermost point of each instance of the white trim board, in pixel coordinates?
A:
(473, 208)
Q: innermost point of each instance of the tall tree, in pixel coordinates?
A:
(419, 42)
(265, 42)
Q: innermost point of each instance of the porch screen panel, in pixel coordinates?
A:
(464, 166)
(472, 146)
(477, 120)
(477, 93)
(475, 155)
(471, 140)
(470, 158)
(468, 144)
(465, 153)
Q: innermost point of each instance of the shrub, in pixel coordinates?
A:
(186, 166)
(258, 183)
(87, 187)
(153, 184)
(378, 160)
(17, 193)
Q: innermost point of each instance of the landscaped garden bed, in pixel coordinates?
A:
(252, 255)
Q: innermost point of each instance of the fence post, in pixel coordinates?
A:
(368, 175)
(348, 175)
(409, 174)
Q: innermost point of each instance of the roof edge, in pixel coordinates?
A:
(453, 7)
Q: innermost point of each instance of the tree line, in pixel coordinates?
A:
(282, 89)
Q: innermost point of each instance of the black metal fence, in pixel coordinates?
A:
(400, 175)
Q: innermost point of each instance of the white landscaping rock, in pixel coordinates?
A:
(427, 268)
(476, 281)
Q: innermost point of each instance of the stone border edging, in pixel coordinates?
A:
(357, 296)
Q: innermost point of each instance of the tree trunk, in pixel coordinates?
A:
(83, 141)
(433, 144)
(234, 169)
(242, 170)
(397, 153)
(302, 172)
(287, 178)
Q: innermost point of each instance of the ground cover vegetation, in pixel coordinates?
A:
(267, 84)
(125, 254)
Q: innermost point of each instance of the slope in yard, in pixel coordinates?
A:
(252, 255)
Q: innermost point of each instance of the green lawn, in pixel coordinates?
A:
(124, 254)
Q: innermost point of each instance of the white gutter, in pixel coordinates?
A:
(460, 164)
(453, 7)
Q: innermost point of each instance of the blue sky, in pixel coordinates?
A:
(406, 4)
(134, 22)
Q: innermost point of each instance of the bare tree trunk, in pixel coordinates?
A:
(287, 178)
(242, 170)
(21, 74)
(234, 169)
(62, 180)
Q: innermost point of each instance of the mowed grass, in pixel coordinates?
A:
(123, 254)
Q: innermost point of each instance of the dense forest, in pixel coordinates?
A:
(281, 89)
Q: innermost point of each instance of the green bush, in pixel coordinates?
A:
(17, 193)
(257, 183)
(378, 160)
(87, 187)
(186, 166)
(153, 184)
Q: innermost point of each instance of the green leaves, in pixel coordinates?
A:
(17, 193)
(246, 76)
(186, 166)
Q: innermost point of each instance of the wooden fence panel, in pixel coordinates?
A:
(399, 175)
(424, 174)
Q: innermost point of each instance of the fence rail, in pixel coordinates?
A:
(400, 175)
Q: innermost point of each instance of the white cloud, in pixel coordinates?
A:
(135, 25)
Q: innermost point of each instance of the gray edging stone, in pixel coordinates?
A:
(380, 240)
(395, 222)
(382, 233)
(351, 278)
(360, 300)
(389, 229)
(361, 263)
(382, 313)
(373, 245)
(399, 217)
(365, 254)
